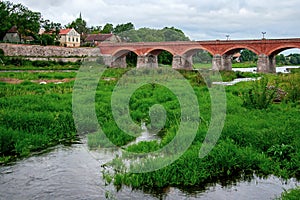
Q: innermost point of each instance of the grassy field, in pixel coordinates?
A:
(259, 136)
(261, 133)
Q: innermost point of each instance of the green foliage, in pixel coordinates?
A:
(247, 55)
(291, 194)
(79, 25)
(46, 39)
(260, 96)
(108, 28)
(27, 21)
(251, 141)
(291, 84)
(153, 35)
(34, 117)
(123, 27)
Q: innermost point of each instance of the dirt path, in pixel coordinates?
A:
(40, 81)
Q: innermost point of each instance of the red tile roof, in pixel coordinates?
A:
(98, 37)
(13, 29)
(64, 31)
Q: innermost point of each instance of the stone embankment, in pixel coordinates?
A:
(53, 53)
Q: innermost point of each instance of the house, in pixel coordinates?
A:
(27, 39)
(69, 38)
(95, 39)
(12, 35)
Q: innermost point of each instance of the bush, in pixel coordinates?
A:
(260, 96)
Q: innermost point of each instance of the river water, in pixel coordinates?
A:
(74, 172)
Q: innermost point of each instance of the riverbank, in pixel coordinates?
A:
(261, 141)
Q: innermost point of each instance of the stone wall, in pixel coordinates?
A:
(36, 51)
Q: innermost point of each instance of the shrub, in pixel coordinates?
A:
(260, 96)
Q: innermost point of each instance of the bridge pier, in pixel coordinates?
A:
(222, 63)
(113, 62)
(148, 61)
(266, 64)
(182, 62)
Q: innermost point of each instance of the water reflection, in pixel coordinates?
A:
(74, 172)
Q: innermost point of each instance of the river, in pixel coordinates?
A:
(74, 172)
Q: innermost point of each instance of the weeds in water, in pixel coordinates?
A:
(260, 96)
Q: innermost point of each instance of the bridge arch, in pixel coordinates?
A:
(123, 52)
(124, 57)
(156, 51)
(193, 50)
(282, 48)
(238, 48)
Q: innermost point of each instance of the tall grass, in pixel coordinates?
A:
(254, 139)
(34, 117)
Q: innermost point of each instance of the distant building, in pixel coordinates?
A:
(69, 38)
(27, 39)
(12, 35)
(95, 39)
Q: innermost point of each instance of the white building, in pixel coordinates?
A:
(69, 38)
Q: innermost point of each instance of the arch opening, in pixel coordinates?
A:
(164, 57)
(242, 58)
(200, 58)
(287, 57)
(124, 58)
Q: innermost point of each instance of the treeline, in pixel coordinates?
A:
(29, 23)
(281, 59)
(292, 59)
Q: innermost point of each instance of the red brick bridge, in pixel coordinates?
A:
(221, 50)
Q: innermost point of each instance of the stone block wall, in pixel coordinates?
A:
(36, 51)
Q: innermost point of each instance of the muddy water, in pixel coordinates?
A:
(75, 173)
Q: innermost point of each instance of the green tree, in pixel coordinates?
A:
(247, 55)
(153, 35)
(173, 34)
(79, 25)
(123, 27)
(281, 60)
(96, 29)
(108, 28)
(5, 22)
(27, 21)
(51, 26)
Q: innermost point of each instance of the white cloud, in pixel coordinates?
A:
(201, 20)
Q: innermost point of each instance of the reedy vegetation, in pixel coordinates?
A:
(256, 139)
(265, 141)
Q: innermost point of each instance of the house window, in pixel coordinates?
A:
(69, 39)
(73, 39)
(76, 39)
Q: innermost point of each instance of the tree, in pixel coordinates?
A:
(108, 28)
(27, 21)
(173, 34)
(96, 29)
(5, 23)
(153, 35)
(281, 60)
(123, 27)
(79, 25)
(247, 55)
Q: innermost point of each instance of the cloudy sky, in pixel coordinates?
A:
(199, 19)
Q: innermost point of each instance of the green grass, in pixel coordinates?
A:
(265, 141)
(34, 117)
(202, 65)
(244, 65)
(28, 76)
(291, 194)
